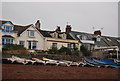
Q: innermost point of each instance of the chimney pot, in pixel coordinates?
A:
(97, 32)
(68, 28)
(37, 24)
(58, 29)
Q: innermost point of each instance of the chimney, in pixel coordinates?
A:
(97, 32)
(37, 24)
(58, 29)
(68, 28)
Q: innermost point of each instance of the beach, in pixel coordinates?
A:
(17, 71)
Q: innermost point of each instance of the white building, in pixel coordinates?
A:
(33, 38)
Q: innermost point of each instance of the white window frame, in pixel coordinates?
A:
(54, 45)
(64, 36)
(7, 41)
(22, 43)
(31, 33)
(32, 44)
(55, 35)
(7, 28)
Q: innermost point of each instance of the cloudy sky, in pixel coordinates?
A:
(82, 16)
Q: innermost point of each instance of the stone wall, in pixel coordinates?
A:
(100, 54)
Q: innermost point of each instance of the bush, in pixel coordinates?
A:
(65, 50)
(13, 47)
(85, 51)
(53, 50)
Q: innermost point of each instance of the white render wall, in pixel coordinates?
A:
(48, 45)
(42, 43)
(38, 37)
(64, 42)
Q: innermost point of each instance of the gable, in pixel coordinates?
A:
(7, 24)
(25, 30)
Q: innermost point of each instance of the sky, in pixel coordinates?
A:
(82, 16)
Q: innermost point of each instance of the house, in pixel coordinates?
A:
(34, 38)
(96, 41)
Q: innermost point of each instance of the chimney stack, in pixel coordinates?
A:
(68, 28)
(97, 32)
(37, 24)
(58, 29)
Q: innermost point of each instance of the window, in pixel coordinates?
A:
(64, 36)
(98, 38)
(32, 45)
(7, 28)
(84, 37)
(71, 45)
(22, 43)
(31, 33)
(55, 35)
(54, 44)
(7, 41)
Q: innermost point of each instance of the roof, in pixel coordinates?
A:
(105, 40)
(8, 36)
(3, 22)
(21, 29)
(47, 33)
(18, 28)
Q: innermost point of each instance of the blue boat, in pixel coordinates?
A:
(107, 62)
(91, 62)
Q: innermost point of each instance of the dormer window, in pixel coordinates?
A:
(31, 33)
(7, 28)
(98, 38)
(84, 37)
(55, 35)
(64, 36)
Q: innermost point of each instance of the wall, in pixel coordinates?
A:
(38, 37)
(60, 43)
(100, 54)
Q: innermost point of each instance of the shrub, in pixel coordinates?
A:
(13, 47)
(53, 50)
(65, 50)
(85, 51)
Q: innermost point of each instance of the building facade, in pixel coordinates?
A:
(96, 41)
(33, 38)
